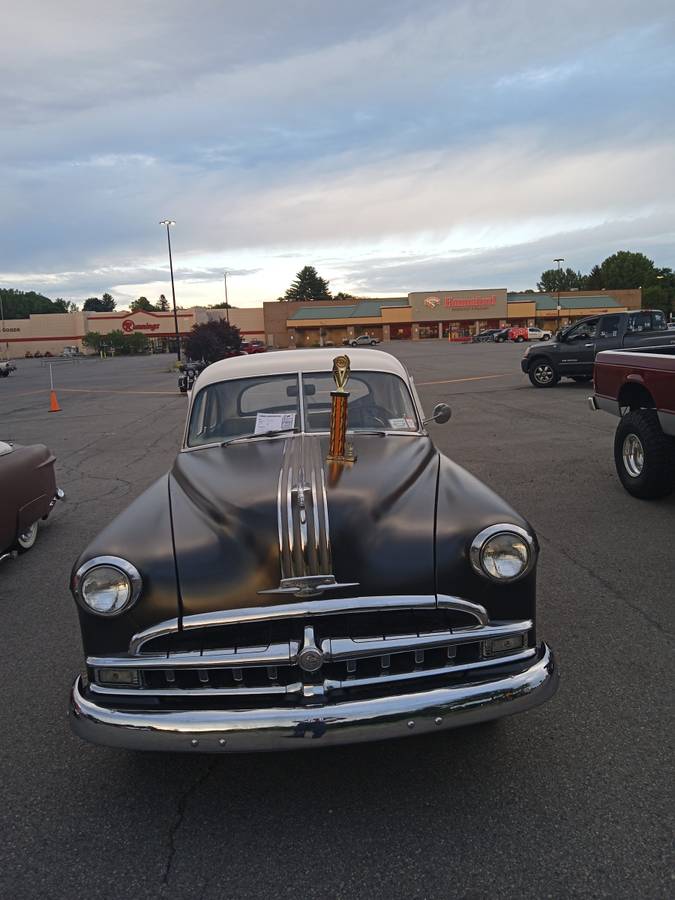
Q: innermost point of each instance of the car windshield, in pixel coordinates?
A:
(250, 407)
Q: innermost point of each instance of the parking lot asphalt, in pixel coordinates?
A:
(570, 799)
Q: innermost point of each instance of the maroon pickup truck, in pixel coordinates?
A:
(639, 386)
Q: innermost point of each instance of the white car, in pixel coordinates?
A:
(538, 334)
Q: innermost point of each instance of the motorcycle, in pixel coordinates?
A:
(188, 375)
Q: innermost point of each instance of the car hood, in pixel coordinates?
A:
(542, 345)
(242, 513)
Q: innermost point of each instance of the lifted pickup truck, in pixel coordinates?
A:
(573, 351)
(639, 386)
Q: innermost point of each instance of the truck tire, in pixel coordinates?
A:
(520, 339)
(27, 538)
(542, 373)
(644, 456)
(546, 337)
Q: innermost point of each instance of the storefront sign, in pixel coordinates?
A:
(438, 306)
(470, 302)
(128, 325)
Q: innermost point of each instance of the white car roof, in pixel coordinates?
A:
(283, 362)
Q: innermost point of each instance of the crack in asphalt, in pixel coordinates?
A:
(183, 801)
(606, 584)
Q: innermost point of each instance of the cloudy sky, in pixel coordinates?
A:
(397, 146)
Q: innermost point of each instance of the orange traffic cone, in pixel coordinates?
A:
(53, 402)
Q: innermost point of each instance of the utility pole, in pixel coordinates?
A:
(168, 223)
(558, 259)
(227, 305)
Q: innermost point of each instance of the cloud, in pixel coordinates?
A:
(281, 130)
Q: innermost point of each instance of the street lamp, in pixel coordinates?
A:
(168, 223)
(558, 259)
(227, 305)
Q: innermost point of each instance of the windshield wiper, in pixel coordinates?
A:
(248, 437)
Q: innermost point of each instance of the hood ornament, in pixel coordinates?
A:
(338, 449)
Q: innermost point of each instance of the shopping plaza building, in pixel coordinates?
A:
(454, 315)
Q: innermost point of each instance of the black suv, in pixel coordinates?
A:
(572, 353)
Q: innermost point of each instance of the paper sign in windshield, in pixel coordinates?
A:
(265, 422)
(404, 424)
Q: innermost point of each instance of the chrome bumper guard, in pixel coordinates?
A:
(233, 731)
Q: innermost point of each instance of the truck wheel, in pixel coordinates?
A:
(644, 455)
(354, 344)
(543, 374)
(546, 337)
(520, 339)
(372, 343)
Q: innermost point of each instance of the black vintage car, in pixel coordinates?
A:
(311, 571)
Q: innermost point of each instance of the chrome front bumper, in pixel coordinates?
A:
(243, 731)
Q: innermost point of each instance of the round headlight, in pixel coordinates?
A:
(107, 585)
(503, 552)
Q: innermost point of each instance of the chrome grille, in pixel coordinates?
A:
(318, 657)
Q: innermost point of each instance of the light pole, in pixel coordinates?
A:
(227, 305)
(558, 259)
(168, 223)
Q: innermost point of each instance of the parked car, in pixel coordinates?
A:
(573, 351)
(6, 369)
(518, 334)
(502, 335)
(363, 340)
(28, 355)
(29, 492)
(538, 334)
(638, 385)
(485, 336)
(312, 571)
(253, 347)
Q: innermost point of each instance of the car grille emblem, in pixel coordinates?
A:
(310, 657)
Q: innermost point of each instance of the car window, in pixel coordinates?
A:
(230, 409)
(609, 326)
(583, 330)
(377, 400)
(640, 321)
(659, 321)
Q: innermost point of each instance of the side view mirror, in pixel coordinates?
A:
(440, 415)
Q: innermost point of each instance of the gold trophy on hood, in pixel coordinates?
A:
(338, 449)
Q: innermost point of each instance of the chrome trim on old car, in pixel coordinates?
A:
(325, 724)
(326, 607)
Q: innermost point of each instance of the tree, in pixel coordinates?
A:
(343, 296)
(143, 304)
(222, 305)
(99, 304)
(212, 341)
(308, 285)
(627, 270)
(21, 304)
(594, 280)
(66, 306)
(162, 304)
(559, 280)
(117, 340)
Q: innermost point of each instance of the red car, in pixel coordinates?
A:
(638, 385)
(29, 492)
(253, 347)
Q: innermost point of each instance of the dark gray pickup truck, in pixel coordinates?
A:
(572, 353)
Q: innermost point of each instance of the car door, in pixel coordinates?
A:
(578, 349)
(608, 333)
